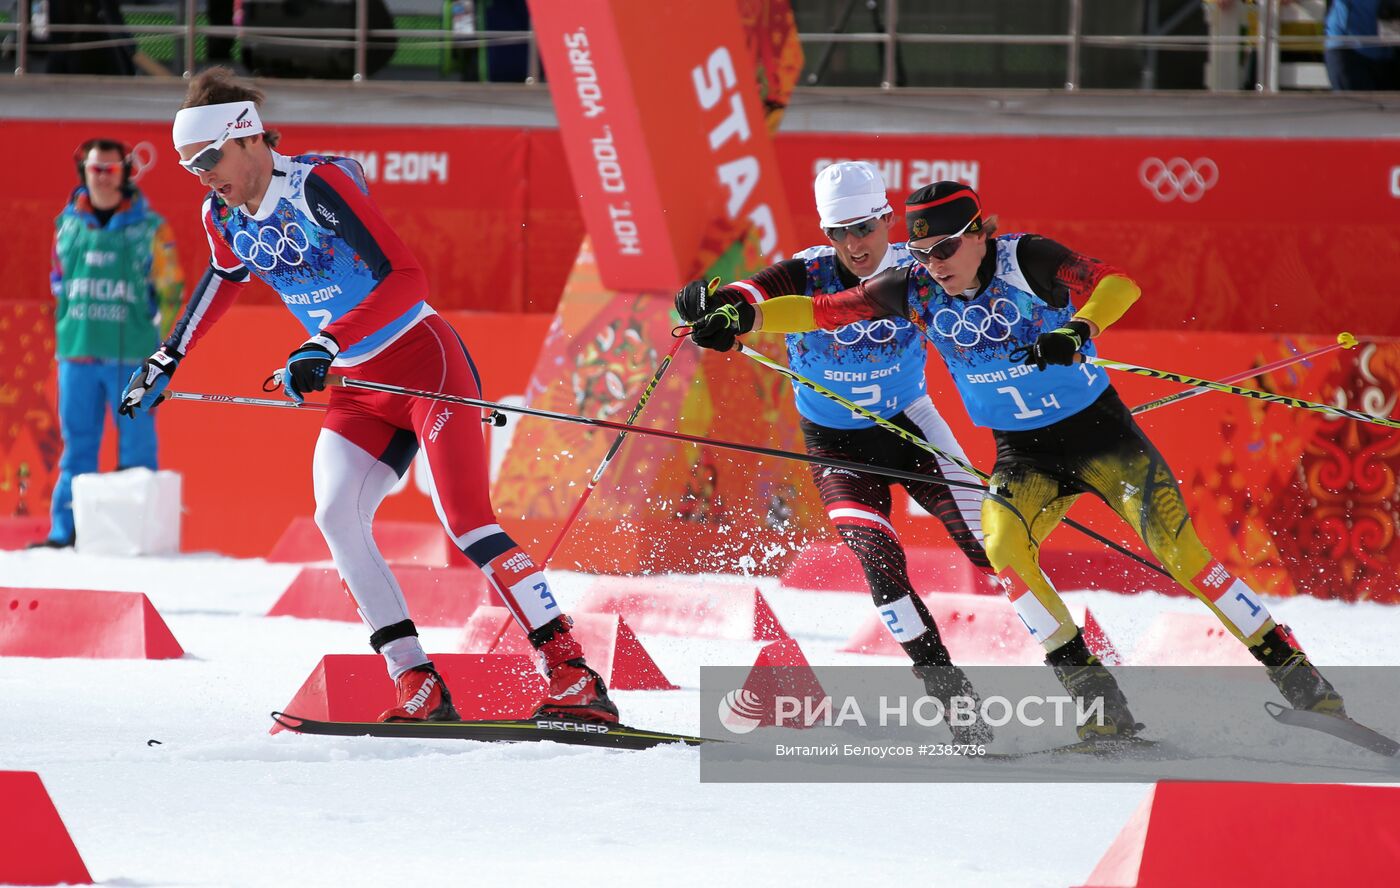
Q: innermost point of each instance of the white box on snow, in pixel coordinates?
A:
(131, 512)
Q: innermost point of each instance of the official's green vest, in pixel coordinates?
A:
(106, 306)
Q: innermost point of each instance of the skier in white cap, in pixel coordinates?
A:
(878, 364)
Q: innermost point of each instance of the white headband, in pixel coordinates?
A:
(206, 123)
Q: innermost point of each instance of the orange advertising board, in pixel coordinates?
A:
(665, 133)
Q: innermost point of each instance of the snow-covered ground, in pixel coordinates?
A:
(221, 802)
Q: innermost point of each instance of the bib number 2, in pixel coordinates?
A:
(870, 394)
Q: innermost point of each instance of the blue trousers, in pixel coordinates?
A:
(85, 392)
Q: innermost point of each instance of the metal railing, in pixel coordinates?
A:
(1269, 43)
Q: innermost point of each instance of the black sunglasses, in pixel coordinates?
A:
(206, 160)
(856, 229)
(944, 249)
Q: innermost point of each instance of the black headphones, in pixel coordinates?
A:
(80, 157)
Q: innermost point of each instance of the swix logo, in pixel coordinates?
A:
(585, 727)
(416, 702)
(1395, 181)
(438, 423)
(326, 214)
(240, 124)
(740, 175)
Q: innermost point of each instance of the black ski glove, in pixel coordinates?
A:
(307, 366)
(1056, 347)
(718, 329)
(693, 301)
(146, 388)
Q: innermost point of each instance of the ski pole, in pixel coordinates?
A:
(496, 406)
(925, 445)
(210, 398)
(1267, 397)
(1344, 340)
(612, 451)
(233, 399)
(859, 410)
(754, 449)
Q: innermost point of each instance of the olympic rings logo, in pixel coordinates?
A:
(287, 244)
(1178, 177)
(142, 158)
(878, 331)
(977, 322)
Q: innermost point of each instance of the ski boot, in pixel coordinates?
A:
(423, 696)
(944, 682)
(1296, 678)
(575, 690)
(1086, 678)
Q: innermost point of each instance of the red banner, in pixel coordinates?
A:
(665, 133)
(1224, 234)
(483, 209)
(1241, 235)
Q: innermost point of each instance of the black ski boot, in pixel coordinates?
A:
(944, 682)
(1087, 679)
(1296, 678)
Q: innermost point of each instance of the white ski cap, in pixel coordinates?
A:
(850, 191)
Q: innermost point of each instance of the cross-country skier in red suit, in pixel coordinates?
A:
(306, 226)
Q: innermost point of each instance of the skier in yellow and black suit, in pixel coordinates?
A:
(1010, 316)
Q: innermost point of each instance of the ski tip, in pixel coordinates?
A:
(290, 722)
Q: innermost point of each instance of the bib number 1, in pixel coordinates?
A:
(1024, 410)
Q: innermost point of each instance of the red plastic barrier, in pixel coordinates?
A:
(1180, 639)
(608, 642)
(1098, 641)
(781, 670)
(356, 687)
(19, 532)
(977, 629)
(831, 567)
(83, 623)
(37, 847)
(400, 542)
(695, 610)
(436, 596)
(1255, 835)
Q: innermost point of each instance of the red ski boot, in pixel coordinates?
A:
(575, 691)
(423, 696)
